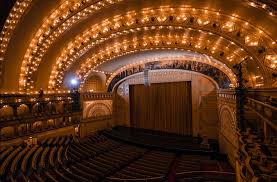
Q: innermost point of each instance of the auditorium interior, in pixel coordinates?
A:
(138, 91)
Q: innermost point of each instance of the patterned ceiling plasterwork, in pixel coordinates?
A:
(185, 34)
(111, 28)
(70, 13)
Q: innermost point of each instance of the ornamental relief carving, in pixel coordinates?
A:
(227, 122)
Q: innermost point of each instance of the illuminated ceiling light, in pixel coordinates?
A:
(74, 81)
(94, 31)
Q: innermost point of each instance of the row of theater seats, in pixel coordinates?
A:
(271, 144)
(153, 164)
(18, 162)
(189, 167)
(95, 158)
(155, 138)
(97, 167)
(190, 162)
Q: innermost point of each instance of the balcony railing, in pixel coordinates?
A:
(32, 112)
(255, 162)
(97, 118)
(24, 119)
(36, 131)
(227, 94)
(266, 112)
(97, 96)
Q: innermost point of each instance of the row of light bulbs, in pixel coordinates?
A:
(272, 60)
(36, 92)
(88, 73)
(85, 72)
(84, 38)
(62, 19)
(257, 4)
(57, 20)
(13, 18)
(157, 41)
(60, 65)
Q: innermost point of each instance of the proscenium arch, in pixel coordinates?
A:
(186, 65)
(167, 56)
(140, 49)
(234, 39)
(140, 45)
(114, 89)
(214, 30)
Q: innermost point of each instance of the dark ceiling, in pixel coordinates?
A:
(5, 8)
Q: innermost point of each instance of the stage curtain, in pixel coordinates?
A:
(162, 106)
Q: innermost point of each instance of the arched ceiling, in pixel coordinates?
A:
(44, 41)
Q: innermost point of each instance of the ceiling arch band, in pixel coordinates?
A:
(69, 13)
(73, 55)
(196, 21)
(19, 9)
(177, 36)
(140, 45)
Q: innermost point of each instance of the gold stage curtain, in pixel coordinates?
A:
(162, 106)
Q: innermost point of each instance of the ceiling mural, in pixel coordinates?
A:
(223, 80)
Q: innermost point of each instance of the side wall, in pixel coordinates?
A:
(228, 141)
(97, 115)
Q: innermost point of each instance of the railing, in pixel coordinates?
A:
(20, 107)
(253, 159)
(265, 111)
(207, 175)
(97, 118)
(262, 94)
(190, 175)
(137, 179)
(11, 99)
(4, 122)
(226, 94)
(96, 96)
(35, 132)
(23, 115)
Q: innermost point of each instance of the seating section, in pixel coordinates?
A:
(98, 158)
(202, 168)
(89, 147)
(190, 163)
(153, 164)
(96, 167)
(156, 139)
(18, 163)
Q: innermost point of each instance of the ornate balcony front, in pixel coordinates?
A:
(25, 115)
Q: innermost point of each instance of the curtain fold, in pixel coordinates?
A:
(162, 106)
